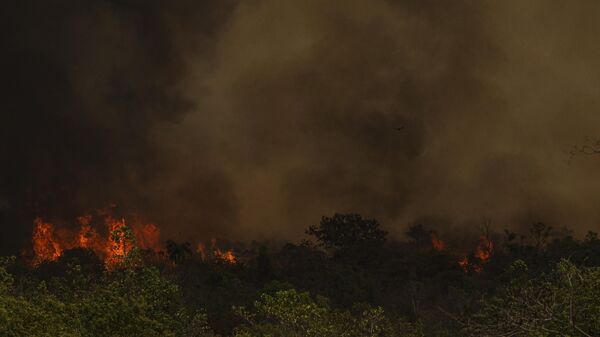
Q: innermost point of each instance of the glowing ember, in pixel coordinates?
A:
(201, 249)
(436, 243)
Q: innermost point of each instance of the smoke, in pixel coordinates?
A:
(86, 87)
(254, 118)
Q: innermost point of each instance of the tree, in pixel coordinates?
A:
(124, 302)
(348, 232)
(565, 302)
(420, 236)
(178, 252)
(41, 314)
(264, 269)
(288, 313)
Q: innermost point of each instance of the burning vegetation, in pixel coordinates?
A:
(436, 243)
(113, 239)
(45, 245)
(223, 116)
(112, 246)
(479, 256)
(215, 252)
(348, 280)
(110, 238)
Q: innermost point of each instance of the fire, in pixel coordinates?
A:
(117, 247)
(484, 248)
(88, 237)
(148, 236)
(225, 256)
(436, 243)
(111, 238)
(45, 246)
(201, 249)
(113, 247)
(483, 252)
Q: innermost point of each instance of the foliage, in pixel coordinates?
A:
(295, 314)
(130, 302)
(178, 252)
(360, 285)
(41, 315)
(565, 302)
(348, 231)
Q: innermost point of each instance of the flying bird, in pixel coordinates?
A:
(399, 128)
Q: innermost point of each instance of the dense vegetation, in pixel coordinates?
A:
(350, 281)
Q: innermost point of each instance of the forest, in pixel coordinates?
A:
(347, 279)
(299, 168)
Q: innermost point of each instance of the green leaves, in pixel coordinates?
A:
(128, 302)
(565, 302)
(288, 313)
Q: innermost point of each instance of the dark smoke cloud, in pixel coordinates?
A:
(85, 86)
(254, 118)
(312, 92)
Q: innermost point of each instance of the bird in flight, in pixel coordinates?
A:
(399, 128)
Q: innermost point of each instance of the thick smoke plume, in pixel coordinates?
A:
(251, 119)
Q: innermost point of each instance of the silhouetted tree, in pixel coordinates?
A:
(420, 236)
(178, 252)
(348, 231)
(263, 266)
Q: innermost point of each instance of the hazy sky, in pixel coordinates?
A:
(254, 118)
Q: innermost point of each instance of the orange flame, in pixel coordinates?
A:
(117, 247)
(484, 248)
(45, 246)
(227, 256)
(483, 252)
(88, 237)
(147, 236)
(201, 249)
(48, 244)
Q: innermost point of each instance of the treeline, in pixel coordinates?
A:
(350, 280)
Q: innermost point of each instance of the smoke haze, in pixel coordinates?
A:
(250, 119)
